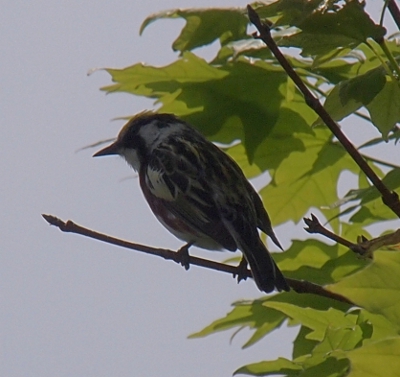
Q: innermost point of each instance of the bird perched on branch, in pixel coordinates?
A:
(197, 191)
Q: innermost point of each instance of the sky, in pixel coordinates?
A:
(73, 306)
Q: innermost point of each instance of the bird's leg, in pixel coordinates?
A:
(183, 256)
(241, 270)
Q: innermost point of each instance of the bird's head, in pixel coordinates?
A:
(140, 135)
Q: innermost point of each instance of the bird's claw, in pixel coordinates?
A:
(183, 256)
(241, 270)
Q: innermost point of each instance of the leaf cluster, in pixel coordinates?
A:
(242, 99)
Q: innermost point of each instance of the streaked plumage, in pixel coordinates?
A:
(197, 191)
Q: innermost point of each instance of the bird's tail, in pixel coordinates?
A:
(265, 272)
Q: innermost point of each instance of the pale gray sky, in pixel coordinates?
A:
(72, 306)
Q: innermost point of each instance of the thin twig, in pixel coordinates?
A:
(299, 286)
(314, 226)
(364, 247)
(390, 198)
(70, 227)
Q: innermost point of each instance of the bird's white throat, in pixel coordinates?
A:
(131, 157)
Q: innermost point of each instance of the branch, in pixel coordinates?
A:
(390, 198)
(303, 286)
(314, 226)
(395, 12)
(299, 286)
(70, 227)
(364, 247)
(387, 240)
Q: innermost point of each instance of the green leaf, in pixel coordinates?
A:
(327, 25)
(372, 207)
(250, 48)
(287, 136)
(316, 320)
(338, 338)
(385, 108)
(336, 332)
(344, 67)
(348, 96)
(306, 179)
(373, 212)
(311, 253)
(253, 315)
(391, 180)
(155, 82)
(302, 345)
(381, 328)
(204, 26)
(329, 367)
(317, 262)
(376, 288)
(376, 359)
(268, 368)
(243, 97)
(249, 97)
(316, 44)
(259, 316)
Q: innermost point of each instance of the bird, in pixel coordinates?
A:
(198, 192)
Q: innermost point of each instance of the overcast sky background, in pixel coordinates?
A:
(72, 306)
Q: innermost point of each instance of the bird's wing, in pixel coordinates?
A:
(252, 203)
(241, 216)
(215, 200)
(179, 180)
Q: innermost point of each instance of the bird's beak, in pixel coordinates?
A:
(109, 150)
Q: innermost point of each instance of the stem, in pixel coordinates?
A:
(370, 43)
(381, 162)
(390, 57)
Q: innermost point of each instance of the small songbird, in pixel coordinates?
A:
(197, 191)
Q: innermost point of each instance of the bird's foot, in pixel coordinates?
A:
(241, 270)
(183, 257)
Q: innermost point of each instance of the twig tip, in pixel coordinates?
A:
(53, 220)
(48, 218)
(253, 16)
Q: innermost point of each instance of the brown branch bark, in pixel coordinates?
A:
(363, 247)
(314, 226)
(394, 11)
(299, 286)
(390, 198)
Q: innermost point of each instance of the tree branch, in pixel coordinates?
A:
(364, 247)
(299, 286)
(314, 226)
(390, 198)
(394, 11)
